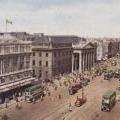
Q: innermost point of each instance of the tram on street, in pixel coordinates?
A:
(34, 92)
(108, 100)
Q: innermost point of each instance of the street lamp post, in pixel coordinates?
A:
(82, 89)
(82, 92)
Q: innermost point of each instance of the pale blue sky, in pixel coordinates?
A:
(97, 18)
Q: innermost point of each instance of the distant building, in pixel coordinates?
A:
(15, 65)
(106, 47)
(113, 49)
(84, 56)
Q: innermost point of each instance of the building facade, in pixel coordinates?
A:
(52, 57)
(15, 64)
(84, 56)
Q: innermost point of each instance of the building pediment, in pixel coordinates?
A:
(89, 45)
(84, 46)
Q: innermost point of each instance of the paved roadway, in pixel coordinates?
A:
(54, 109)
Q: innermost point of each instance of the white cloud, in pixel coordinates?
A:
(80, 18)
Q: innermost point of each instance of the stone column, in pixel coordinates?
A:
(87, 61)
(85, 56)
(1, 66)
(83, 59)
(90, 60)
(93, 59)
(72, 62)
(80, 62)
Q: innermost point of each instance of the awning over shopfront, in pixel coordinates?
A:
(16, 84)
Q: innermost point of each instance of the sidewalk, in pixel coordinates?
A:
(12, 102)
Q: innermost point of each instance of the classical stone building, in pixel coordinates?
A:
(55, 55)
(15, 64)
(52, 56)
(84, 56)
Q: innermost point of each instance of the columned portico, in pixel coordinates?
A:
(83, 58)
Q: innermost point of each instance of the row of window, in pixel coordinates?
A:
(66, 61)
(46, 64)
(40, 74)
(14, 48)
(40, 63)
(55, 54)
(40, 54)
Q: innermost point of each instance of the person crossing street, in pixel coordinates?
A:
(70, 107)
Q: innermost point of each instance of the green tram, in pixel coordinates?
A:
(34, 92)
(108, 100)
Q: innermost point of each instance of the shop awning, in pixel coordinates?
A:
(16, 84)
